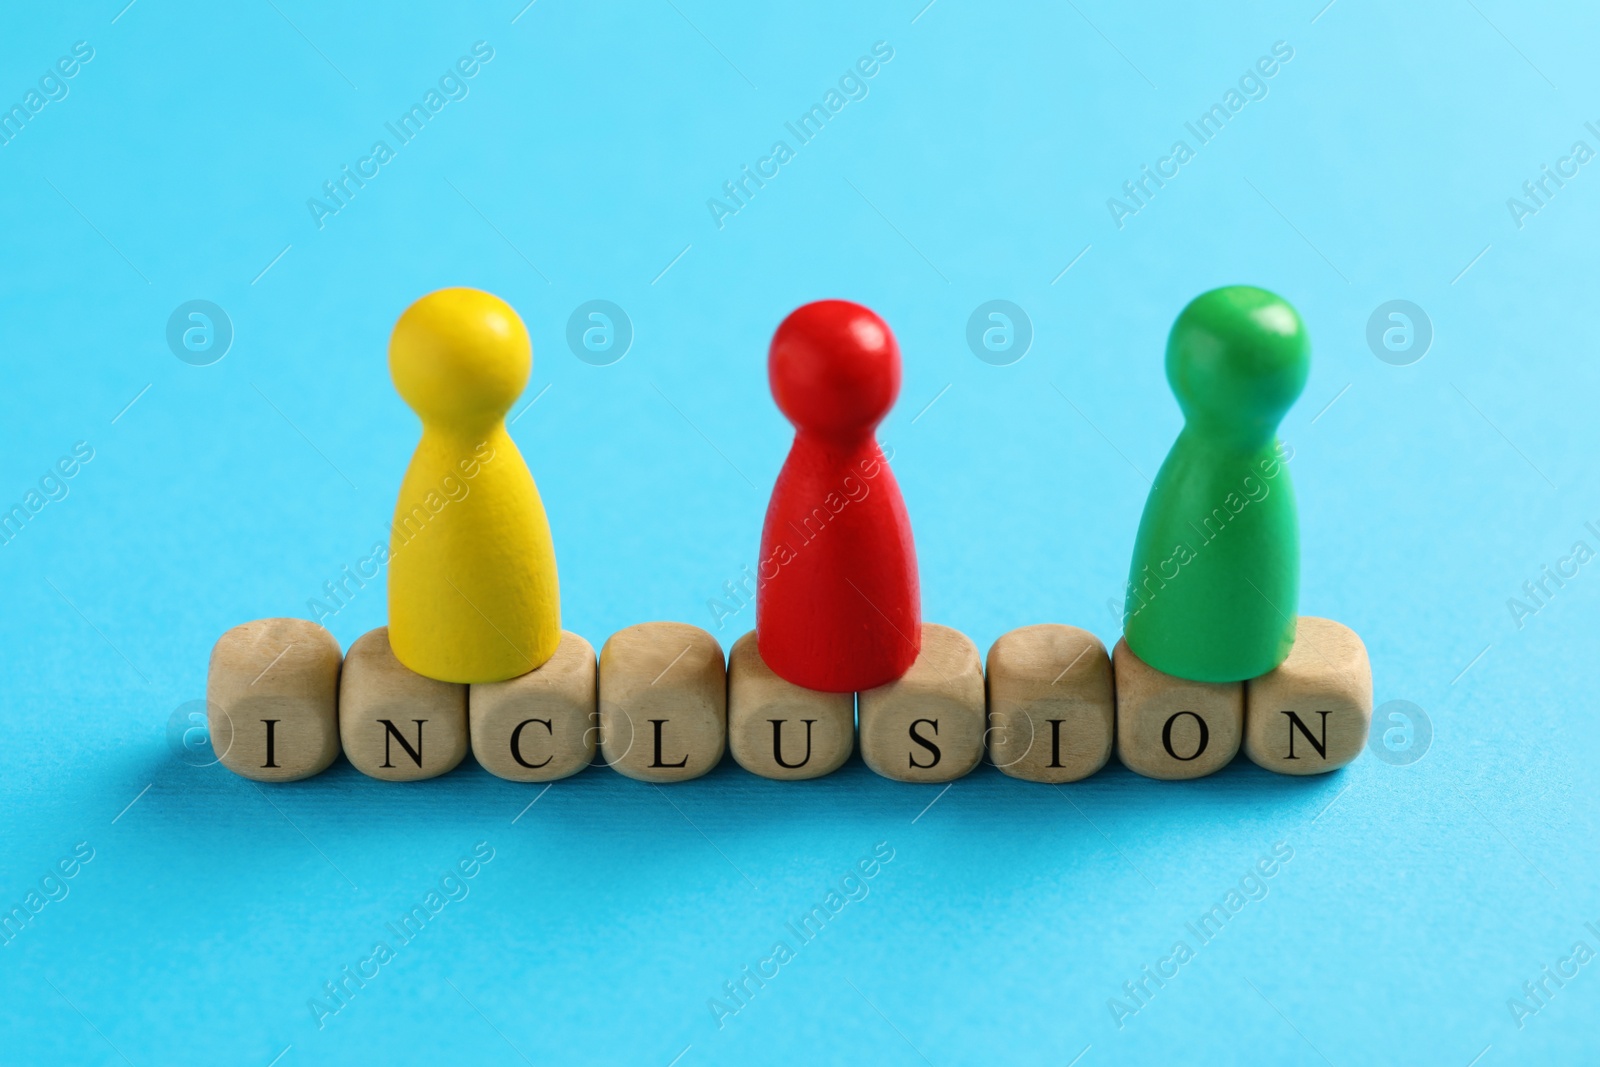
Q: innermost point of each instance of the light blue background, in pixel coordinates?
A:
(1419, 898)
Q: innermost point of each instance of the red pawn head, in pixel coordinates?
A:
(837, 603)
(835, 369)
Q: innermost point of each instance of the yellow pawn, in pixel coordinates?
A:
(472, 573)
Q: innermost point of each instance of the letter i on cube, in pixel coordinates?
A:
(273, 696)
(1052, 707)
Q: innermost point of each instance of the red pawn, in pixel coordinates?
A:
(837, 604)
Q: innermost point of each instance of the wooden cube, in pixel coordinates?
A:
(395, 724)
(663, 702)
(1170, 728)
(1052, 705)
(542, 725)
(781, 730)
(273, 698)
(927, 725)
(1311, 713)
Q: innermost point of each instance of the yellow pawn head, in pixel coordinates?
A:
(473, 594)
(460, 357)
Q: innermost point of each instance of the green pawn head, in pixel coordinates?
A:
(1237, 359)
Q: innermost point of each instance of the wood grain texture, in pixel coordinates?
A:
(1171, 728)
(395, 724)
(1052, 703)
(542, 725)
(663, 702)
(927, 725)
(1311, 714)
(780, 730)
(272, 695)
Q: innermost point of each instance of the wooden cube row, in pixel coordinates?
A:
(661, 706)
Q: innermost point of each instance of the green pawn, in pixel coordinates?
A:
(1215, 581)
